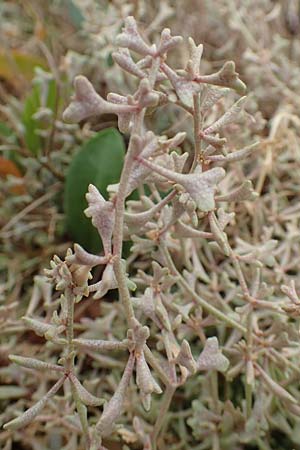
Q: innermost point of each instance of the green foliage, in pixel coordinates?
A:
(32, 104)
(99, 162)
(75, 14)
(5, 130)
(14, 60)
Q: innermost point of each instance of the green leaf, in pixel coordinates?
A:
(24, 63)
(75, 14)
(109, 60)
(99, 162)
(31, 105)
(5, 130)
(52, 94)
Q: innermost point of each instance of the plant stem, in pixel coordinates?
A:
(248, 386)
(82, 413)
(137, 129)
(118, 236)
(215, 390)
(155, 364)
(197, 125)
(164, 406)
(70, 327)
(215, 441)
(81, 409)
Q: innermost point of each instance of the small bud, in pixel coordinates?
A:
(211, 357)
(80, 274)
(84, 258)
(167, 42)
(124, 118)
(141, 334)
(145, 381)
(226, 76)
(107, 282)
(193, 65)
(185, 357)
(130, 38)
